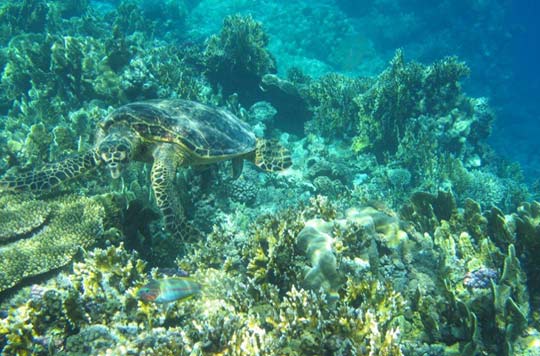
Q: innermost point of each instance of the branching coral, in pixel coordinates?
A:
(402, 92)
(22, 16)
(527, 240)
(332, 101)
(75, 312)
(489, 315)
(266, 310)
(237, 58)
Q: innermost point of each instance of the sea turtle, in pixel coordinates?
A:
(169, 133)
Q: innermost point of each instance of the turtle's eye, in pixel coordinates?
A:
(106, 157)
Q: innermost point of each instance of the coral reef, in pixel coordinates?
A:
(40, 236)
(237, 58)
(491, 319)
(25, 16)
(331, 99)
(402, 92)
(70, 313)
(397, 231)
(385, 280)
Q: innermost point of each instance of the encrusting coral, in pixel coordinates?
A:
(316, 242)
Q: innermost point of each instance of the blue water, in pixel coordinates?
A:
(518, 128)
(499, 40)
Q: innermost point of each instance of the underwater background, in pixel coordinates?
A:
(407, 224)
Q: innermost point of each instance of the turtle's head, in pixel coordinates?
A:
(115, 151)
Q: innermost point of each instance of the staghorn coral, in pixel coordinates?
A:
(40, 236)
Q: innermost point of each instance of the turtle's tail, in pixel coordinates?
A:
(271, 156)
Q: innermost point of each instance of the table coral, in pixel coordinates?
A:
(40, 236)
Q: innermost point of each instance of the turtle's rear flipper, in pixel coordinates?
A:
(270, 156)
(164, 168)
(50, 175)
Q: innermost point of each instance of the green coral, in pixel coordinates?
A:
(22, 16)
(366, 322)
(255, 303)
(402, 92)
(237, 58)
(38, 143)
(88, 69)
(511, 301)
(470, 319)
(332, 101)
(270, 253)
(41, 236)
(527, 241)
(64, 315)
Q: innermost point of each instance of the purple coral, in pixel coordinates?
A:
(37, 292)
(480, 278)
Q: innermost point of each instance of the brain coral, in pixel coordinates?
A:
(39, 236)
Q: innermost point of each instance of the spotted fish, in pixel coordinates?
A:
(168, 290)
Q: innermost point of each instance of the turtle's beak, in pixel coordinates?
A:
(115, 170)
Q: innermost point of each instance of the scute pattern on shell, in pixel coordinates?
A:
(205, 130)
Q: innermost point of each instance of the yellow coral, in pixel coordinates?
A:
(45, 238)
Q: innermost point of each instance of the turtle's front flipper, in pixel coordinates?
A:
(271, 156)
(51, 175)
(166, 161)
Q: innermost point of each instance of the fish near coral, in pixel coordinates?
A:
(168, 290)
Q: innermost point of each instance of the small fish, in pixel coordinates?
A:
(168, 290)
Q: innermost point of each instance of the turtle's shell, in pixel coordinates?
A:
(206, 131)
